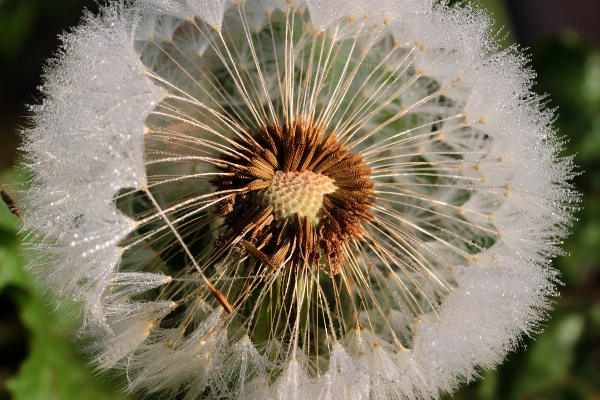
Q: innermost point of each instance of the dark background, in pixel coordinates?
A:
(563, 39)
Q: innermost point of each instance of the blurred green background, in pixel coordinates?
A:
(37, 361)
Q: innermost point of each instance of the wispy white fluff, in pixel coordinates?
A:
(481, 319)
(345, 379)
(294, 383)
(209, 11)
(469, 202)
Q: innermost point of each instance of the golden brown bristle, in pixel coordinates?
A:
(301, 164)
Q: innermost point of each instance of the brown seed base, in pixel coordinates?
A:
(298, 146)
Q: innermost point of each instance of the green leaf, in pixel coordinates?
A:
(550, 357)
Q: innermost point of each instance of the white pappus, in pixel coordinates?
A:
(270, 199)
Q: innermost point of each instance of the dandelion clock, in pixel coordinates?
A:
(262, 199)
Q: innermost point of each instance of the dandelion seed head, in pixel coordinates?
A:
(288, 199)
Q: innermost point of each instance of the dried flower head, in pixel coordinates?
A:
(268, 199)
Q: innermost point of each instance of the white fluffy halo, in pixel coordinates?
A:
(422, 257)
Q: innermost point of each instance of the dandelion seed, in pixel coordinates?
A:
(288, 199)
(10, 203)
